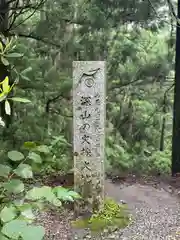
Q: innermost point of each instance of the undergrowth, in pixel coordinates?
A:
(112, 215)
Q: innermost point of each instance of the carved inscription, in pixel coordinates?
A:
(89, 119)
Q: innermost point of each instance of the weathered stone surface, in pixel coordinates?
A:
(89, 125)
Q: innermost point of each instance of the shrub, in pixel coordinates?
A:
(18, 202)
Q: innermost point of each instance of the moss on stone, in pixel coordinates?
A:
(113, 215)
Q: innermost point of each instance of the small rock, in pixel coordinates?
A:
(123, 202)
(113, 236)
(87, 237)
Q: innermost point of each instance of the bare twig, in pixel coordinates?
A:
(13, 16)
(37, 38)
(52, 100)
(30, 15)
(166, 92)
(171, 8)
(157, 15)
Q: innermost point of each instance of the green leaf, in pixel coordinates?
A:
(24, 171)
(4, 170)
(35, 157)
(29, 145)
(16, 81)
(26, 211)
(7, 108)
(4, 61)
(74, 194)
(14, 229)
(21, 205)
(29, 69)
(9, 45)
(50, 197)
(66, 87)
(28, 214)
(14, 186)
(33, 232)
(8, 214)
(38, 205)
(25, 78)
(1, 47)
(15, 156)
(23, 100)
(56, 202)
(3, 96)
(2, 123)
(59, 139)
(5, 85)
(64, 194)
(27, 220)
(43, 193)
(37, 193)
(43, 149)
(14, 55)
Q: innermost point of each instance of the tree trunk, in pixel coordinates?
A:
(176, 107)
(161, 148)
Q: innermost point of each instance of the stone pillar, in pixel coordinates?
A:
(89, 84)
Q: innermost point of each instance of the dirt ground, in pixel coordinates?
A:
(154, 203)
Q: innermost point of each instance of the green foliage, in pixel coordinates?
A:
(15, 156)
(16, 229)
(160, 162)
(140, 55)
(112, 215)
(48, 159)
(136, 111)
(17, 201)
(139, 159)
(16, 215)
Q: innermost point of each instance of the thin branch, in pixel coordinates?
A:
(171, 8)
(13, 16)
(166, 92)
(30, 15)
(50, 101)
(61, 114)
(16, 7)
(29, 6)
(37, 38)
(148, 120)
(125, 84)
(11, 1)
(153, 8)
(156, 109)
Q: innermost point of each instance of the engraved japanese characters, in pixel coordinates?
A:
(89, 120)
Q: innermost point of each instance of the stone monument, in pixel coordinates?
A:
(89, 84)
